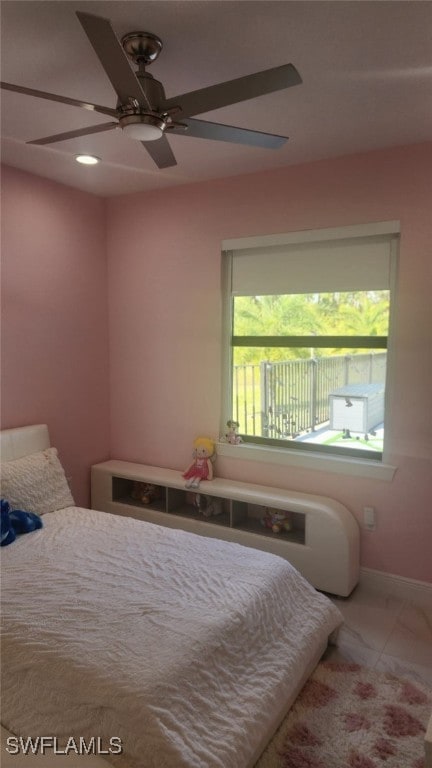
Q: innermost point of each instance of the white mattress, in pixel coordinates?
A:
(183, 647)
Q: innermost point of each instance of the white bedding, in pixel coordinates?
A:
(182, 646)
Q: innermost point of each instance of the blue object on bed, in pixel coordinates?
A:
(15, 522)
(7, 533)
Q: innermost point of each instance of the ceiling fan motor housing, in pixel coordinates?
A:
(153, 89)
(134, 116)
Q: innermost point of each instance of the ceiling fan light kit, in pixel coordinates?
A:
(143, 111)
(143, 127)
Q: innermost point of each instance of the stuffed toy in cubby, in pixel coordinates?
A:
(146, 493)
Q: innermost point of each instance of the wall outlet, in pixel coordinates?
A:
(369, 518)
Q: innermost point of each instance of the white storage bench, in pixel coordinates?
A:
(322, 543)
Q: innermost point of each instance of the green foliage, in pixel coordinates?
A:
(361, 313)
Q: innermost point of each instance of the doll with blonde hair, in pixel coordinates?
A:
(201, 468)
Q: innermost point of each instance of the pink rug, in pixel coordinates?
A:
(348, 716)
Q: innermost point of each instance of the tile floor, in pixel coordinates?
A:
(385, 632)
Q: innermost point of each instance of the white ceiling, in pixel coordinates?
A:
(366, 70)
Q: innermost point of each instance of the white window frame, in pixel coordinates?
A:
(314, 460)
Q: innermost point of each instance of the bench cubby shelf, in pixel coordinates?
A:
(323, 542)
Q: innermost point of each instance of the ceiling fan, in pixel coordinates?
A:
(143, 111)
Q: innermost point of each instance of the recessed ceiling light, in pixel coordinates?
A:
(87, 159)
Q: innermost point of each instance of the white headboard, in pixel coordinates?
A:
(21, 441)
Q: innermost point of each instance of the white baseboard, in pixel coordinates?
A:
(419, 592)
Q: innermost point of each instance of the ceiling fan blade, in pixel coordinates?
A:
(202, 129)
(113, 58)
(74, 134)
(234, 91)
(62, 99)
(161, 152)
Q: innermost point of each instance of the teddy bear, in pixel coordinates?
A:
(276, 520)
(146, 493)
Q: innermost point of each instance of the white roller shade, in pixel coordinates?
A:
(352, 264)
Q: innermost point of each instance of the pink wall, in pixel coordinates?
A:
(54, 319)
(165, 327)
(164, 324)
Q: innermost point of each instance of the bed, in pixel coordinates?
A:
(188, 651)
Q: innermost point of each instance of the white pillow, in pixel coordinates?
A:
(36, 483)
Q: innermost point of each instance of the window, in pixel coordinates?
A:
(307, 319)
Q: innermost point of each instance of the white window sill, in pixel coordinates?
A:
(342, 465)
